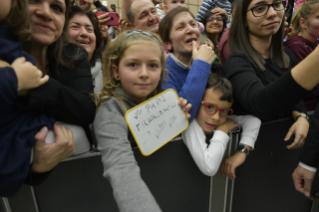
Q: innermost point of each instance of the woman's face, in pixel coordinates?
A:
(81, 31)
(214, 24)
(184, 30)
(266, 25)
(49, 18)
(311, 27)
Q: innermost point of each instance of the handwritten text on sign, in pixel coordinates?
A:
(156, 121)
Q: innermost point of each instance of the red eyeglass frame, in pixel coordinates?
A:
(217, 109)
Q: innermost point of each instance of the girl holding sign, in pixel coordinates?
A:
(133, 71)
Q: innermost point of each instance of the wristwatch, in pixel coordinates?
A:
(242, 148)
(305, 116)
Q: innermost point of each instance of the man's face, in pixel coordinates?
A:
(146, 17)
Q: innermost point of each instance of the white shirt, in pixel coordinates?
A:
(208, 157)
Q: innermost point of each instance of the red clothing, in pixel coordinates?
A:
(301, 48)
(223, 47)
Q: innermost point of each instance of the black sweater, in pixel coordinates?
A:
(266, 94)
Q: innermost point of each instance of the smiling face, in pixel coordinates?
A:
(81, 31)
(266, 25)
(139, 70)
(48, 17)
(210, 122)
(171, 4)
(183, 31)
(145, 15)
(215, 26)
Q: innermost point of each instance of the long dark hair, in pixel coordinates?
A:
(75, 10)
(238, 40)
(55, 53)
(206, 16)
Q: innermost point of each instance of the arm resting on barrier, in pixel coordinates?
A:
(250, 129)
(206, 157)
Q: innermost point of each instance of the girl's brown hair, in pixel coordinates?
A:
(305, 11)
(238, 40)
(18, 20)
(113, 55)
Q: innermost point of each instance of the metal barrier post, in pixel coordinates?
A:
(221, 193)
(6, 205)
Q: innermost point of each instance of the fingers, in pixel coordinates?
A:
(194, 46)
(289, 134)
(19, 60)
(295, 144)
(228, 170)
(43, 80)
(42, 134)
(298, 182)
(307, 187)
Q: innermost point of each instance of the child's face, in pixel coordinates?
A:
(171, 4)
(210, 122)
(5, 7)
(139, 70)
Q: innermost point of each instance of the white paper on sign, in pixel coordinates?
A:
(156, 121)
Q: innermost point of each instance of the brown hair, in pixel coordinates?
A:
(113, 55)
(219, 83)
(166, 23)
(55, 53)
(18, 20)
(238, 40)
(305, 11)
(75, 10)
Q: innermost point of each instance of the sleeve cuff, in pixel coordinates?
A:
(309, 168)
(248, 141)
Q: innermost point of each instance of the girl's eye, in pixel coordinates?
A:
(180, 27)
(75, 26)
(154, 65)
(132, 65)
(57, 8)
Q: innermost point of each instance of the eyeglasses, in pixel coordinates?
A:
(262, 9)
(211, 109)
(213, 19)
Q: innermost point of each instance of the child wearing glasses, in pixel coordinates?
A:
(215, 116)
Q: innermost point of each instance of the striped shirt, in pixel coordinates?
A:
(211, 4)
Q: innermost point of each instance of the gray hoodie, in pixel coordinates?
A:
(120, 166)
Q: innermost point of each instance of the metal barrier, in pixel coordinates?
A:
(263, 182)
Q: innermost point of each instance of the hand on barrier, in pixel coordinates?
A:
(303, 180)
(47, 155)
(300, 130)
(231, 163)
(186, 107)
(204, 52)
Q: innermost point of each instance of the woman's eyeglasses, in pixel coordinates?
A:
(213, 19)
(211, 109)
(262, 9)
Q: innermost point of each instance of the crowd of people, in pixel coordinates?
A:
(67, 77)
